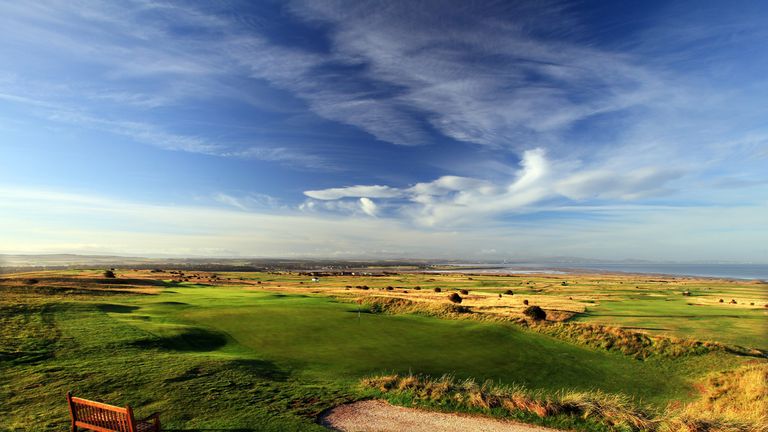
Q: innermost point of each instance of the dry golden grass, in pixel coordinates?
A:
(617, 411)
(732, 401)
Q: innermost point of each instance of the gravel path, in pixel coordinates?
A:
(380, 416)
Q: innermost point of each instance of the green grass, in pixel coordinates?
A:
(228, 358)
(326, 340)
(674, 316)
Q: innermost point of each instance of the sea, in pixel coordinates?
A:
(727, 271)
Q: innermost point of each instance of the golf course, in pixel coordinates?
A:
(273, 351)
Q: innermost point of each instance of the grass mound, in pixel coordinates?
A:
(732, 401)
(634, 343)
(628, 342)
(394, 305)
(583, 410)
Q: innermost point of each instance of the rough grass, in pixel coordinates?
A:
(581, 410)
(731, 401)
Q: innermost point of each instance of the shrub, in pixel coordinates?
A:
(535, 313)
(509, 292)
(437, 289)
(564, 283)
(389, 288)
(365, 287)
(109, 274)
(418, 288)
(455, 298)
(525, 302)
(464, 292)
(32, 281)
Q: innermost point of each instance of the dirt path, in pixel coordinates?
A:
(380, 416)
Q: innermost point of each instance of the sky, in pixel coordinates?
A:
(385, 129)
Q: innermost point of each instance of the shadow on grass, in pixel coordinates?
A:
(210, 430)
(190, 339)
(262, 369)
(116, 308)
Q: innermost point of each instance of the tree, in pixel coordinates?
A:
(109, 274)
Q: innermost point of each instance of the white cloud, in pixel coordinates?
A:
(373, 191)
(45, 221)
(454, 200)
(368, 206)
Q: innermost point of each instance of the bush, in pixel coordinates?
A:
(109, 274)
(464, 292)
(418, 288)
(509, 292)
(389, 288)
(455, 298)
(525, 302)
(437, 289)
(535, 313)
(32, 281)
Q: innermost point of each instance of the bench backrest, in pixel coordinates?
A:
(99, 416)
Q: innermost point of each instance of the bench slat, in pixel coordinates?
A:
(101, 417)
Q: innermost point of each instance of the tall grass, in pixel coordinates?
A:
(732, 401)
(616, 412)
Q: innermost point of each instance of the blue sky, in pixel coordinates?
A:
(435, 129)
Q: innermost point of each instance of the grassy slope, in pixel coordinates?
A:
(326, 340)
(675, 316)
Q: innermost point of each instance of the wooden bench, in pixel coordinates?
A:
(100, 417)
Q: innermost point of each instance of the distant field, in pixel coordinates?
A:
(260, 351)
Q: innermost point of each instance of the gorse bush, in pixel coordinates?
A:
(535, 313)
(464, 292)
(455, 298)
(437, 289)
(109, 274)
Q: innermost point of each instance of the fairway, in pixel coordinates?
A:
(679, 316)
(324, 339)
